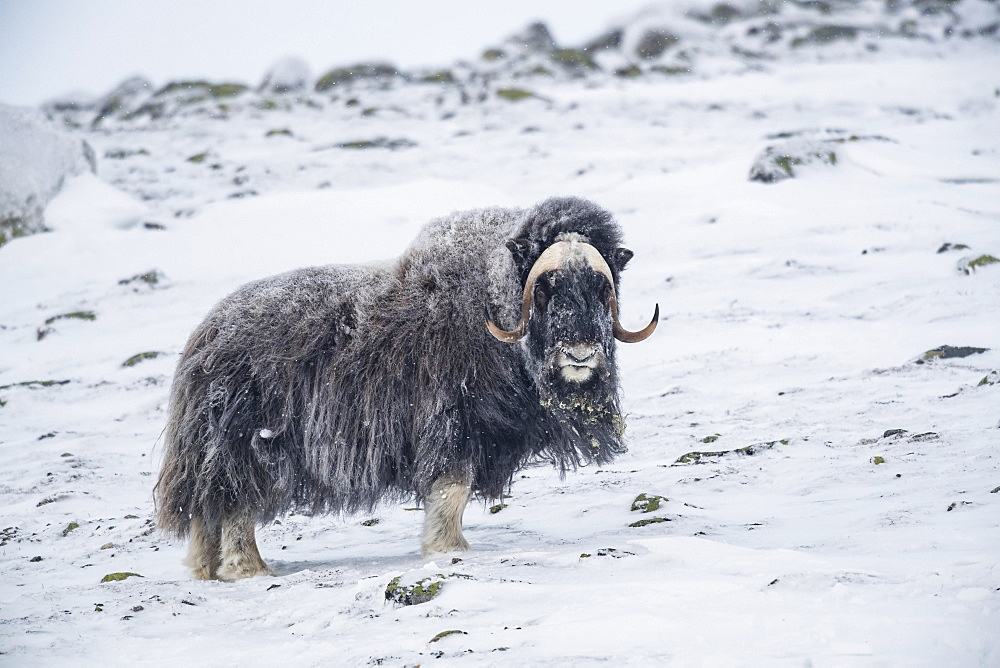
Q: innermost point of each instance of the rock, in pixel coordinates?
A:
(574, 60)
(778, 162)
(70, 102)
(141, 357)
(720, 14)
(497, 508)
(824, 34)
(514, 94)
(189, 92)
(701, 457)
(970, 265)
(654, 43)
(992, 378)
(36, 159)
(608, 41)
(647, 503)
(118, 577)
(379, 142)
(949, 352)
(361, 71)
(47, 328)
(651, 520)
(439, 77)
(629, 72)
(288, 75)
(123, 98)
(536, 38)
(151, 278)
(405, 592)
(445, 634)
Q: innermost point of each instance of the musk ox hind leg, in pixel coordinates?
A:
(444, 507)
(238, 554)
(203, 557)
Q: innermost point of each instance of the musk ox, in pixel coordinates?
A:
(329, 389)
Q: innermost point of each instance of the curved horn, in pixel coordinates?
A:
(626, 336)
(554, 257)
(600, 265)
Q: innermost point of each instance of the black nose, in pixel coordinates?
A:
(580, 352)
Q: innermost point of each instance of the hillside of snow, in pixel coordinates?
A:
(812, 192)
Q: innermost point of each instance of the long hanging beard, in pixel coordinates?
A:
(591, 424)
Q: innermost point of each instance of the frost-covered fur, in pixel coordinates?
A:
(329, 389)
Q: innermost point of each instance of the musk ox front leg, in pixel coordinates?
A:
(239, 556)
(444, 507)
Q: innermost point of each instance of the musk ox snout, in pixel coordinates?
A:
(579, 362)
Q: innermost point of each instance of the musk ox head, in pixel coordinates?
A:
(569, 318)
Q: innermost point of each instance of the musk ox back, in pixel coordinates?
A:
(332, 388)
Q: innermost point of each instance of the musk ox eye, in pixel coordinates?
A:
(606, 294)
(541, 296)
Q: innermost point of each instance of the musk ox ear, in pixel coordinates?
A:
(520, 250)
(620, 257)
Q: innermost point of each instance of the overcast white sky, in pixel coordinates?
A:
(52, 47)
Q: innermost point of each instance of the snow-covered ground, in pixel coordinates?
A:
(864, 531)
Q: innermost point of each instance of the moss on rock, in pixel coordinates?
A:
(949, 352)
(15, 227)
(969, 266)
(35, 383)
(378, 142)
(141, 357)
(445, 634)
(826, 34)
(421, 591)
(222, 90)
(343, 75)
(46, 329)
(439, 77)
(629, 72)
(118, 577)
(573, 59)
(654, 43)
(651, 520)
(150, 278)
(515, 94)
(699, 457)
(647, 503)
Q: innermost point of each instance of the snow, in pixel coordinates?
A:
(794, 312)
(35, 161)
